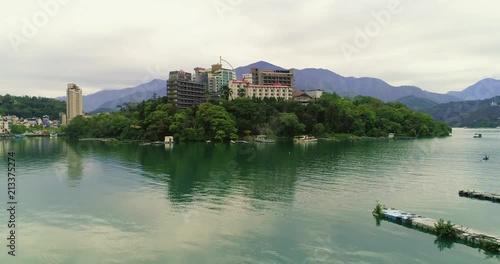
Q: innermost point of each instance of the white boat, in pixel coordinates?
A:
(398, 215)
(53, 135)
(263, 139)
(305, 138)
(477, 135)
(238, 142)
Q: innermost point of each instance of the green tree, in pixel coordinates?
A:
(225, 92)
(17, 129)
(241, 92)
(216, 121)
(290, 125)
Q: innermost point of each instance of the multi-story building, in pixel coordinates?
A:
(74, 103)
(62, 117)
(245, 88)
(269, 77)
(183, 91)
(46, 121)
(214, 77)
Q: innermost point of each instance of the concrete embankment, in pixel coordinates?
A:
(480, 195)
(464, 234)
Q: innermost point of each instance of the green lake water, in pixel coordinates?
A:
(84, 202)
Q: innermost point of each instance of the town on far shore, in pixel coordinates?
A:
(184, 90)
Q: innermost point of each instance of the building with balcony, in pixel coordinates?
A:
(74, 103)
(214, 77)
(262, 76)
(183, 91)
(245, 88)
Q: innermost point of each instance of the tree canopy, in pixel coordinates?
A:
(222, 120)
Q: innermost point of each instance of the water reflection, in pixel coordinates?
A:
(443, 244)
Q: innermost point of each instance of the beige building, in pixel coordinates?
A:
(259, 91)
(74, 103)
(62, 117)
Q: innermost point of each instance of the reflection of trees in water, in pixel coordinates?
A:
(443, 244)
(490, 255)
(191, 170)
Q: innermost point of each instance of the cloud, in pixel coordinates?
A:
(437, 45)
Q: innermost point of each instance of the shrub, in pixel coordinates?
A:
(445, 229)
(378, 210)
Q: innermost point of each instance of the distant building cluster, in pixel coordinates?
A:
(186, 90)
(7, 121)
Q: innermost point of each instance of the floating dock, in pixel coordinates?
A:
(480, 195)
(465, 235)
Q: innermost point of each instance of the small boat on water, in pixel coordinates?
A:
(397, 215)
(305, 138)
(238, 142)
(477, 135)
(486, 157)
(264, 139)
(52, 135)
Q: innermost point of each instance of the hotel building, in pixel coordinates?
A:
(214, 77)
(183, 91)
(261, 91)
(74, 104)
(269, 77)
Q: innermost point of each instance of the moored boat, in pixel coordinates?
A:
(238, 142)
(264, 139)
(305, 138)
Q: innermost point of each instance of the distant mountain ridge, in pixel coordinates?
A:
(311, 78)
(484, 89)
(307, 79)
(107, 100)
(469, 113)
(417, 103)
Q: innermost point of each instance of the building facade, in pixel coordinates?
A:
(315, 94)
(214, 77)
(183, 91)
(74, 103)
(259, 91)
(62, 117)
(269, 77)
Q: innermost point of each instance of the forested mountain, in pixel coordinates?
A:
(478, 113)
(312, 78)
(27, 107)
(417, 103)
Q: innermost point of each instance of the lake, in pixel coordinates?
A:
(95, 202)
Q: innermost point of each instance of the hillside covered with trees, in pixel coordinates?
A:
(223, 120)
(476, 113)
(27, 107)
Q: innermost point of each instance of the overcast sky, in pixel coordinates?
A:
(438, 45)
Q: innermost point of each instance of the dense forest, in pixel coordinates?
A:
(27, 107)
(476, 113)
(222, 120)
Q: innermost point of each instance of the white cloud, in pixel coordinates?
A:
(437, 45)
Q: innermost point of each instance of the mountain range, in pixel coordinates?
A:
(107, 100)
(305, 79)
